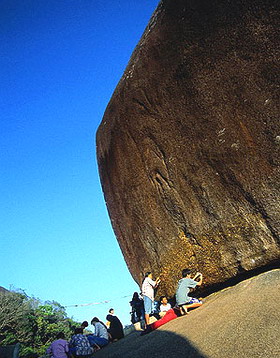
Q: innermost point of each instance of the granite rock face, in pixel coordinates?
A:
(188, 148)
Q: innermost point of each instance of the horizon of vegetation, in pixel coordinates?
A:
(31, 322)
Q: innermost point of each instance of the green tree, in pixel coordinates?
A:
(16, 318)
(35, 325)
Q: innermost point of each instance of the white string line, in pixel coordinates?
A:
(95, 303)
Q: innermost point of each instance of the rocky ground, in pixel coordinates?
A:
(240, 321)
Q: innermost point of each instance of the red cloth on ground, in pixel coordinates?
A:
(169, 316)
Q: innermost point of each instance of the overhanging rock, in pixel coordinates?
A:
(188, 148)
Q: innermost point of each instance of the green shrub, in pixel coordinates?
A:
(33, 324)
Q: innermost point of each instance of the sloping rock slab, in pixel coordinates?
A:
(238, 322)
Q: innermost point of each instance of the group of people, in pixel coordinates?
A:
(184, 302)
(84, 345)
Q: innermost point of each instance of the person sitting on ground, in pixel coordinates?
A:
(79, 344)
(115, 326)
(84, 325)
(183, 299)
(137, 312)
(164, 307)
(59, 348)
(100, 337)
(169, 316)
(148, 286)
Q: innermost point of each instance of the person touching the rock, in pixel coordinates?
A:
(148, 286)
(186, 283)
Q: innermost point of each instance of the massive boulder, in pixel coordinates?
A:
(188, 149)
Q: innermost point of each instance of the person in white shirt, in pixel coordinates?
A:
(164, 307)
(148, 286)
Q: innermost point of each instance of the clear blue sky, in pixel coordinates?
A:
(60, 63)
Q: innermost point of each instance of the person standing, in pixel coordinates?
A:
(137, 312)
(115, 327)
(148, 286)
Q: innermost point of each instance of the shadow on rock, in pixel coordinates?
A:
(156, 344)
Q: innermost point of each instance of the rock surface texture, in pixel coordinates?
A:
(188, 148)
(239, 322)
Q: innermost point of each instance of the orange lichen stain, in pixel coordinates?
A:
(182, 254)
(217, 253)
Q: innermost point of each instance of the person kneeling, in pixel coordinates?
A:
(183, 300)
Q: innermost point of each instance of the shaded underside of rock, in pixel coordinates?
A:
(188, 149)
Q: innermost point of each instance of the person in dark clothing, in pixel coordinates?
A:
(116, 327)
(84, 325)
(137, 305)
